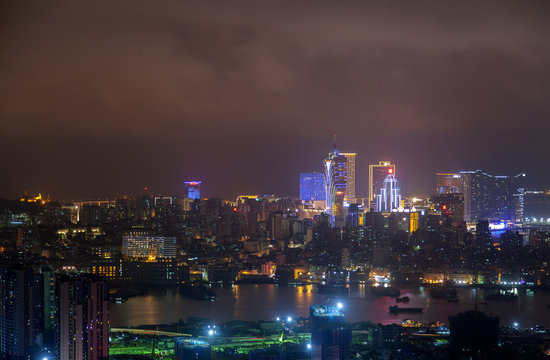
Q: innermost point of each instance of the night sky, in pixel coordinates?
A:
(104, 97)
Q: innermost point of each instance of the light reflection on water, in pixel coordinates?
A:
(266, 302)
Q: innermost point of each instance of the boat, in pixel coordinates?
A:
(333, 289)
(502, 296)
(385, 291)
(443, 293)
(198, 292)
(402, 299)
(396, 309)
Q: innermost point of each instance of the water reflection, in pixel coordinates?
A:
(265, 302)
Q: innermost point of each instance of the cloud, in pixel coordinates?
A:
(257, 89)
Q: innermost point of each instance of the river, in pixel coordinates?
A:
(266, 302)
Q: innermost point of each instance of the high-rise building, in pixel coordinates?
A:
(335, 172)
(330, 338)
(16, 316)
(448, 183)
(389, 197)
(350, 177)
(27, 312)
(489, 197)
(82, 318)
(536, 207)
(377, 175)
(192, 349)
(142, 244)
(193, 190)
(451, 207)
(312, 187)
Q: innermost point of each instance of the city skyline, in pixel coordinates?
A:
(192, 91)
(248, 180)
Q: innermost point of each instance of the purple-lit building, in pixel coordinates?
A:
(193, 190)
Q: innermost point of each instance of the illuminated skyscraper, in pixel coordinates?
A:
(16, 315)
(448, 183)
(140, 244)
(389, 197)
(193, 190)
(489, 197)
(377, 175)
(82, 318)
(335, 186)
(312, 186)
(350, 176)
(330, 337)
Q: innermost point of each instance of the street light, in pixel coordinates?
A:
(340, 305)
(278, 318)
(289, 319)
(309, 346)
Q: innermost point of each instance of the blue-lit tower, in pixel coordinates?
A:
(312, 187)
(390, 196)
(193, 190)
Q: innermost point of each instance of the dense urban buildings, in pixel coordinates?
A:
(169, 188)
(62, 257)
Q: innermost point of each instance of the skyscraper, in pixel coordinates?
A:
(335, 172)
(389, 197)
(193, 190)
(330, 338)
(448, 183)
(141, 244)
(312, 187)
(350, 177)
(377, 175)
(82, 318)
(27, 312)
(489, 197)
(16, 315)
(192, 348)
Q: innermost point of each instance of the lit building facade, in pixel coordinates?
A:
(489, 197)
(141, 244)
(350, 176)
(448, 183)
(335, 173)
(330, 338)
(16, 316)
(377, 175)
(27, 312)
(389, 197)
(192, 348)
(193, 190)
(536, 207)
(82, 318)
(312, 187)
